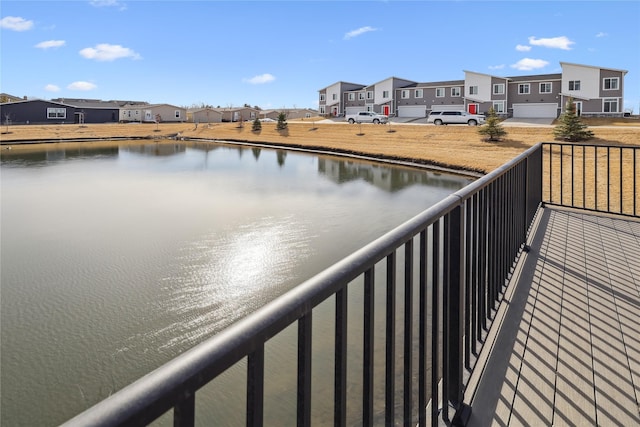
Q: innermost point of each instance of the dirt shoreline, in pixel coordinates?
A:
(449, 147)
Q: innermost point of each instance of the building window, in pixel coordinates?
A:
(56, 113)
(439, 92)
(334, 97)
(418, 93)
(307, 115)
(369, 107)
(351, 96)
(545, 87)
(524, 89)
(574, 84)
(369, 94)
(385, 93)
(498, 106)
(610, 105)
(498, 89)
(610, 83)
(455, 91)
(404, 94)
(177, 114)
(322, 109)
(473, 90)
(322, 95)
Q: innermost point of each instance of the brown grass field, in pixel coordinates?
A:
(457, 147)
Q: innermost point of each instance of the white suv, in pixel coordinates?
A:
(455, 117)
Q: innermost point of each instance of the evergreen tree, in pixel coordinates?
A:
(570, 127)
(282, 121)
(492, 129)
(257, 125)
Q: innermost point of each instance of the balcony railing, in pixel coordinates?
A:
(451, 262)
(602, 178)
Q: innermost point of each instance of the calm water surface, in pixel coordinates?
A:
(115, 260)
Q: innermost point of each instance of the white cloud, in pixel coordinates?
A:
(523, 48)
(601, 34)
(52, 88)
(108, 52)
(496, 67)
(108, 3)
(261, 79)
(359, 32)
(561, 42)
(528, 64)
(16, 23)
(84, 86)
(50, 44)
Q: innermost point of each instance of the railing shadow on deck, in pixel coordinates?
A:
(457, 257)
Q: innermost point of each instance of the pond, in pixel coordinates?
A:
(117, 258)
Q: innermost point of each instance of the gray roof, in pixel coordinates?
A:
(95, 103)
(444, 83)
(536, 77)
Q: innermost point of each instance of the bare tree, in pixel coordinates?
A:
(7, 121)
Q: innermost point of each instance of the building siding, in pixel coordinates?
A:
(35, 112)
(591, 92)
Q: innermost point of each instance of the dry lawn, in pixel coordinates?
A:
(458, 147)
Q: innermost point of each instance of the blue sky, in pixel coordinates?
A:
(276, 54)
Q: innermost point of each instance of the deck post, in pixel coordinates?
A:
(455, 316)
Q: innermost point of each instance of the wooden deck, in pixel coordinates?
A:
(568, 348)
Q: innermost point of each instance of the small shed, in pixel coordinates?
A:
(204, 115)
(290, 113)
(238, 114)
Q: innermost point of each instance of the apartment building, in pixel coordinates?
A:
(596, 91)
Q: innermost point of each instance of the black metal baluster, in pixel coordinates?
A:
(304, 370)
(435, 323)
(185, 412)
(368, 347)
(390, 343)
(340, 362)
(408, 334)
(255, 387)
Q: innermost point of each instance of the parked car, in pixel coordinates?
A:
(455, 117)
(367, 117)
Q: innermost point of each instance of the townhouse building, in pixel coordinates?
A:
(596, 91)
(332, 98)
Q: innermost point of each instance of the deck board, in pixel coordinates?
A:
(568, 349)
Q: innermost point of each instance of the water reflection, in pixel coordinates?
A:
(155, 149)
(214, 275)
(385, 178)
(39, 158)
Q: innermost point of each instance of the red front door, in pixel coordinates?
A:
(385, 110)
(473, 108)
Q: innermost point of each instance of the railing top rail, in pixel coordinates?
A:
(481, 183)
(585, 144)
(175, 381)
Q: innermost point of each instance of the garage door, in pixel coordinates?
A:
(412, 111)
(535, 111)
